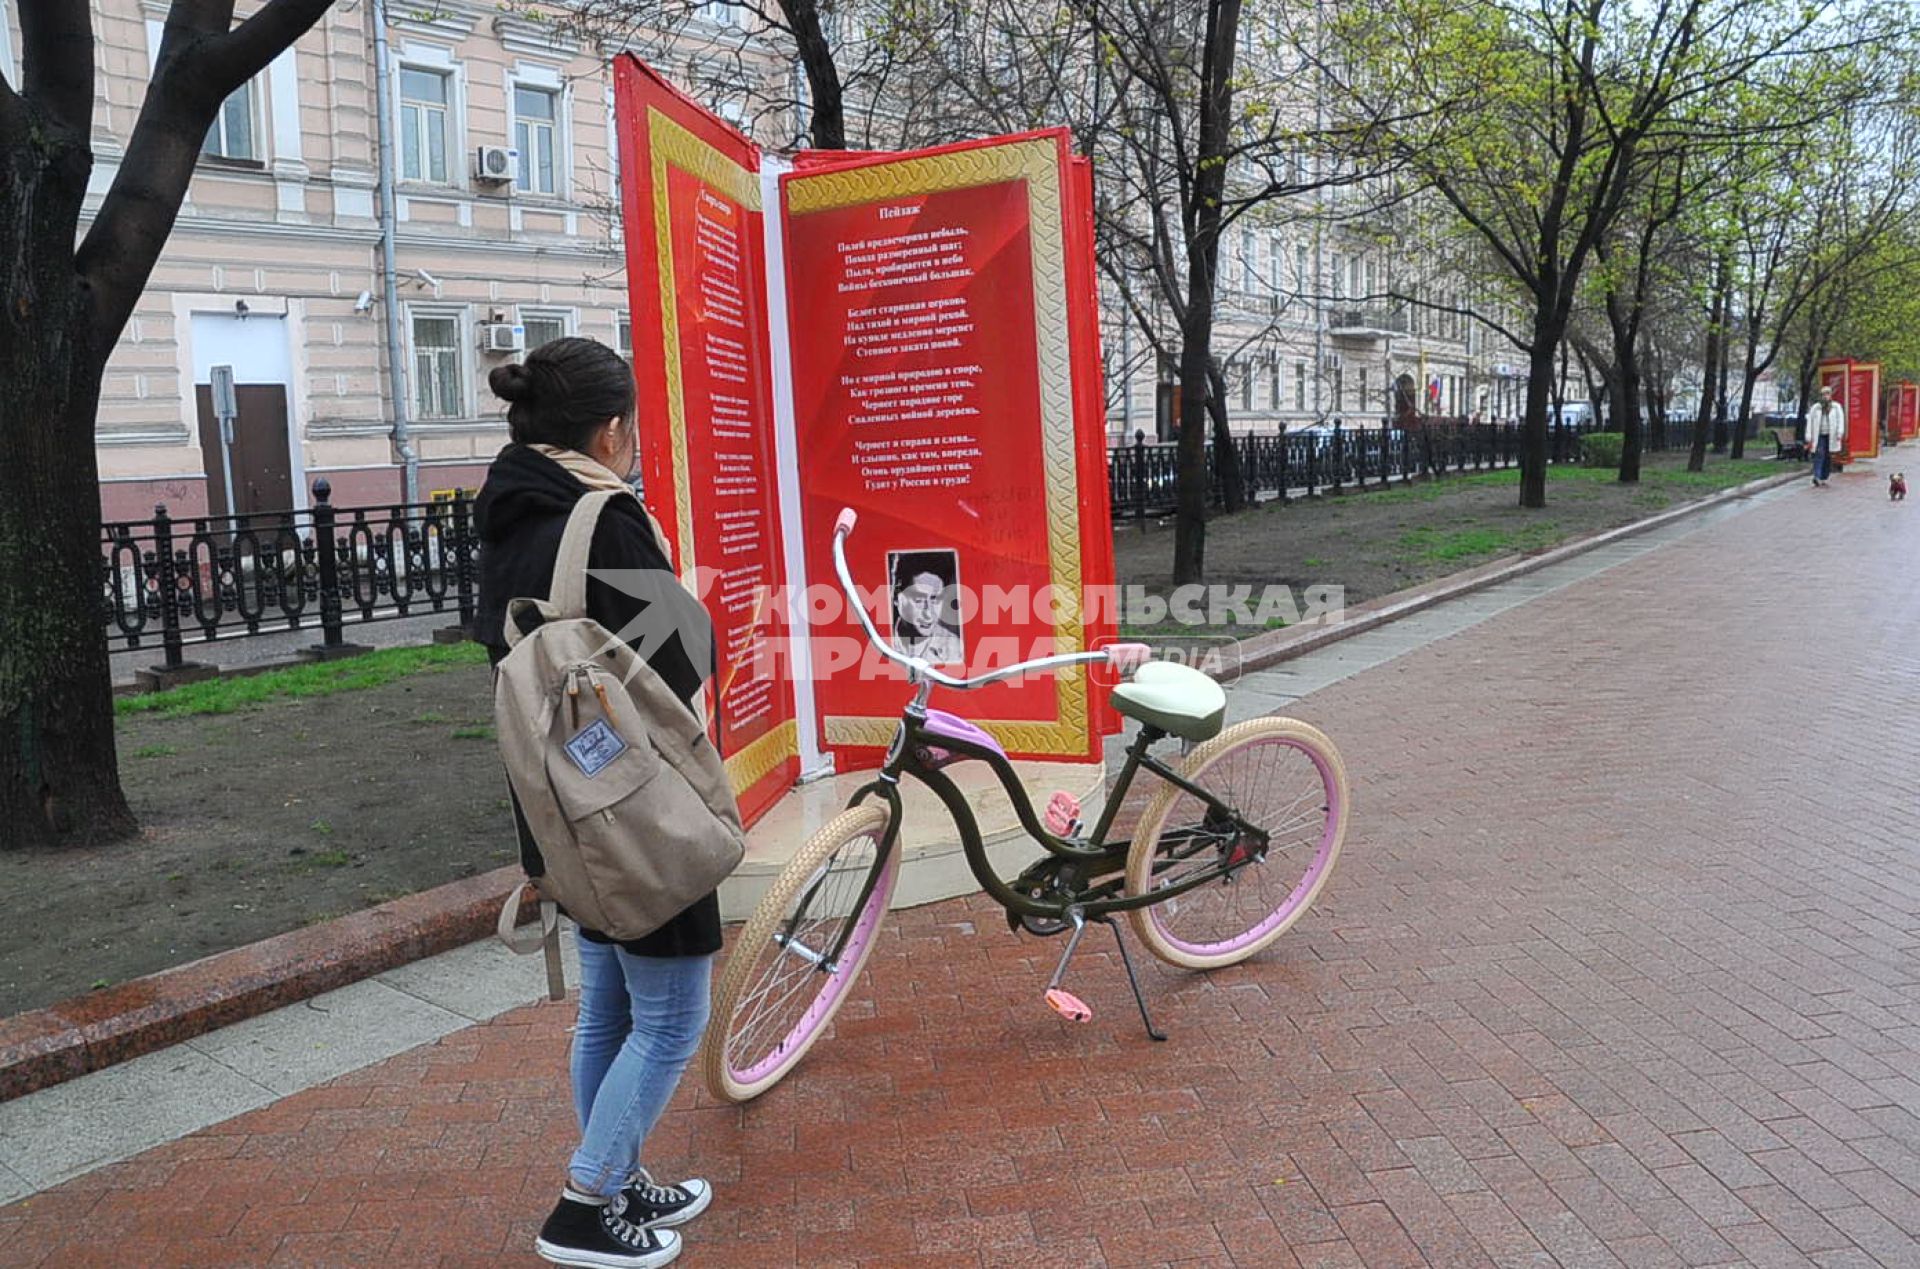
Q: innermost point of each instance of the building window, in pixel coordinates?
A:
(1249, 262)
(1366, 402)
(1299, 385)
(424, 124)
(543, 326)
(536, 134)
(623, 334)
(1246, 387)
(1273, 384)
(439, 369)
(1276, 260)
(1339, 391)
(1300, 269)
(231, 136)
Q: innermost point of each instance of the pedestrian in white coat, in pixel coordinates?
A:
(1826, 433)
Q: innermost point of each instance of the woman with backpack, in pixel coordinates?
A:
(644, 1002)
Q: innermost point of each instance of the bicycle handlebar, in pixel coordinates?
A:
(1122, 656)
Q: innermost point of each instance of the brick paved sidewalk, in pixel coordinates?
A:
(1621, 966)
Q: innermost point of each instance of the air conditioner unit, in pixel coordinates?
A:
(502, 337)
(495, 164)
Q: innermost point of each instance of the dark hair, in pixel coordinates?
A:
(563, 391)
(908, 565)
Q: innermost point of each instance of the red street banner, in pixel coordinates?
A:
(945, 364)
(1856, 386)
(1908, 415)
(697, 276)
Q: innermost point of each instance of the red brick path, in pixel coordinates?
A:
(1621, 966)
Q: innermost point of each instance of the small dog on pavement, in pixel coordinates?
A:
(1897, 486)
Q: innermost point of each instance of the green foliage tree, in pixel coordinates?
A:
(1535, 120)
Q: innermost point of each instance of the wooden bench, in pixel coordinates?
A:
(1786, 444)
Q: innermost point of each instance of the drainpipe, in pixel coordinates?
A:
(389, 283)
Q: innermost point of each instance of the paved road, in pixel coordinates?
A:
(1621, 966)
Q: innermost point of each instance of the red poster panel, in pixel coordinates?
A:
(696, 270)
(1909, 415)
(1863, 422)
(937, 391)
(1838, 376)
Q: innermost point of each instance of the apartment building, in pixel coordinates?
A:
(504, 235)
(1316, 321)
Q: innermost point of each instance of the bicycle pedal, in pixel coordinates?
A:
(1068, 1005)
(1063, 814)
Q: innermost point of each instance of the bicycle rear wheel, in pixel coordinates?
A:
(776, 997)
(1278, 775)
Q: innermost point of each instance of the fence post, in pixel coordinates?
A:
(1140, 474)
(463, 556)
(174, 669)
(1313, 460)
(329, 566)
(1339, 455)
(333, 644)
(1280, 473)
(169, 583)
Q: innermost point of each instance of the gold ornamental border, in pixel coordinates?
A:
(671, 144)
(1036, 161)
(752, 764)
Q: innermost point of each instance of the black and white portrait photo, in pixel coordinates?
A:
(926, 605)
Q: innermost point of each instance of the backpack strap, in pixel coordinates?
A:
(568, 594)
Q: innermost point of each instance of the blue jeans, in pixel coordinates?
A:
(641, 1018)
(1822, 459)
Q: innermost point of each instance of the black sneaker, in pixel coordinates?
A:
(653, 1206)
(590, 1235)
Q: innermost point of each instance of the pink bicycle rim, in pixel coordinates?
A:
(1286, 910)
(823, 1003)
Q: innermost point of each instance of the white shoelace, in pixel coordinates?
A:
(625, 1232)
(655, 1193)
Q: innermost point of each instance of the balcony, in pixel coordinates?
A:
(1366, 322)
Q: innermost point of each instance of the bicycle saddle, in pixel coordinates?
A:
(1177, 699)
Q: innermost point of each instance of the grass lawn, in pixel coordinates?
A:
(266, 803)
(1374, 543)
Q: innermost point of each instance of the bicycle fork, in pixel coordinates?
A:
(1070, 1006)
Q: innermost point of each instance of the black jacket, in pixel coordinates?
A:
(520, 515)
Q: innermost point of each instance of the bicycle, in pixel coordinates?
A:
(1211, 874)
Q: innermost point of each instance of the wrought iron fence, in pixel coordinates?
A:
(168, 582)
(1142, 478)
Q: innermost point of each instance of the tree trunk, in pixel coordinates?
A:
(1749, 379)
(1226, 456)
(59, 774)
(1203, 253)
(1533, 427)
(1626, 387)
(1703, 417)
(827, 124)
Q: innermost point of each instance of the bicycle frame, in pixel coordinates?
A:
(922, 754)
(926, 741)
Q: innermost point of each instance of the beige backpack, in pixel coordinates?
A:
(627, 798)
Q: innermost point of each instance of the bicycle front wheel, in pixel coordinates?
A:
(782, 985)
(1278, 775)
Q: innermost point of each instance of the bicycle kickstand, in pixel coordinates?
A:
(1061, 1001)
(1153, 1032)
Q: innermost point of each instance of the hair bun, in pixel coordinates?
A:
(511, 382)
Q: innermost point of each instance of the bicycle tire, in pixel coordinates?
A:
(735, 1071)
(1248, 927)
